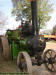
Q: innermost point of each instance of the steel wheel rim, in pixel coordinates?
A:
(28, 62)
(51, 60)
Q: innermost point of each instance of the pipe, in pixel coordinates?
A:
(34, 17)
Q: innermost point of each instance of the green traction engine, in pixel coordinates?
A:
(19, 40)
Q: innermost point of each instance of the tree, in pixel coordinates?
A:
(18, 7)
(44, 9)
(54, 29)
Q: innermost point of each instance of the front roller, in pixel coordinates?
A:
(50, 60)
(24, 63)
(5, 47)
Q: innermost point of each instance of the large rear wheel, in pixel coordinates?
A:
(5, 47)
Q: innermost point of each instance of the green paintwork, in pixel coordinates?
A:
(18, 44)
(22, 47)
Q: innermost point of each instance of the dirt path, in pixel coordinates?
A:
(9, 66)
(42, 69)
(50, 45)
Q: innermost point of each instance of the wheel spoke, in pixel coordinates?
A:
(53, 68)
(50, 58)
(50, 53)
(47, 59)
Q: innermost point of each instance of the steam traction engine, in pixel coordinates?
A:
(36, 46)
(28, 42)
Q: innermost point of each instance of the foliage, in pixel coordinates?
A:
(18, 7)
(54, 29)
(44, 9)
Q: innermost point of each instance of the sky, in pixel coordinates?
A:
(52, 21)
(6, 8)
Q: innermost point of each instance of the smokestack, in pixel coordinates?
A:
(34, 17)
